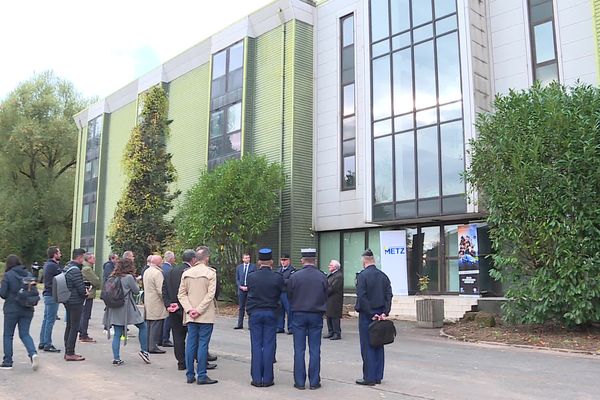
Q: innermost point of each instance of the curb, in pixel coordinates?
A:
(520, 346)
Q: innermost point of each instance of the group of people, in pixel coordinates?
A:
(184, 297)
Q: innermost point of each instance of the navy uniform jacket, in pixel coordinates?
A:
(264, 289)
(373, 290)
(307, 290)
(286, 274)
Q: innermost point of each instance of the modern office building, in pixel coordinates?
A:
(368, 104)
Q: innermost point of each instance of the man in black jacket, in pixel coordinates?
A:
(109, 266)
(286, 269)
(51, 269)
(74, 305)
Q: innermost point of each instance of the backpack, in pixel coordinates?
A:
(28, 295)
(113, 293)
(60, 290)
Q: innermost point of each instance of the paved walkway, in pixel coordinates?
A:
(419, 365)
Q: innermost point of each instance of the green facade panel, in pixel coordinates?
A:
(117, 129)
(189, 102)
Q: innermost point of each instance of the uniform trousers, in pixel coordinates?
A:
(285, 310)
(263, 333)
(307, 325)
(372, 357)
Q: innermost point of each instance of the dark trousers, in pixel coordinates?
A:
(179, 334)
(372, 357)
(263, 332)
(155, 328)
(196, 348)
(166, 333)
(309, 326)
(22, 319)
(285, 310)
(242, 296)
(85, 318)
(74, 312)
(333, 326)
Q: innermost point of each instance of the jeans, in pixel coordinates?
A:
(119, 330)
(50, 312)
(74, 318)
(196, 348)
(307, 325)
(263, 332)
(11, 320)
(85, 318)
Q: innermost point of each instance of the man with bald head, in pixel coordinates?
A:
(153, 303)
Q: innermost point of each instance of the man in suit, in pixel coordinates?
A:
(307, 291)
(241, 279)
(335, 300)
(264, 291)
(166, 267)
(286, 270)
(373, 302)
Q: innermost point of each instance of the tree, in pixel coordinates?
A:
(139, 223)
(536, 162)
(229, 209)
(38, 151)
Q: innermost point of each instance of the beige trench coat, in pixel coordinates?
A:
(197, 291)
(153, 302)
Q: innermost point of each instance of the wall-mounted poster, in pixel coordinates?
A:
(468, 260)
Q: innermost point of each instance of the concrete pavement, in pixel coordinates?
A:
(419, 365)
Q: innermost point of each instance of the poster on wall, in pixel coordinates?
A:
(393, 260)
(468, 260)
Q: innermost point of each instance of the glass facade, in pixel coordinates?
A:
(347, 107)
(90, 183)
(543, 42)
(225, 140)
(416, 109)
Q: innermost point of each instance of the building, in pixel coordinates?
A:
(368, 104)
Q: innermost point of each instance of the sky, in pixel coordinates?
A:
(100, 46)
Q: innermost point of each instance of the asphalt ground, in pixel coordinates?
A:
(419, 365)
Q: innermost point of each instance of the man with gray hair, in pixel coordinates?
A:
(153, 303)
(92, 283)
(166, 268)
(335, 301)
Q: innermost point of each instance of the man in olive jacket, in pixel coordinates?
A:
(197, 297)
(92, 283)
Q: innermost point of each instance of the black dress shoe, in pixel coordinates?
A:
(51, 349)
(318, 385)
(168, 343)
(299, 387)
(268, 384)
(364, 383)
(280, 331)
(157, 351)
(238, 327)
(191, 380)
(327, 336)
(335, 337)
(211, 357)
(181, 368)
(206, 381)
(290, 333)
(41, 346)
(378, 382)
(256, 384)
(211, 366)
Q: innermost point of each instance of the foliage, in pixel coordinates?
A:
(2, 268)
(229, 209)
(139, 223)
(38, 151)
(423, 283)
(536, 163)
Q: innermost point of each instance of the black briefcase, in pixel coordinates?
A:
(381, 332)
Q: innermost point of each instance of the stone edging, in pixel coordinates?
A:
(521, 346)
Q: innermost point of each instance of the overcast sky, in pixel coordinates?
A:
(100, 46)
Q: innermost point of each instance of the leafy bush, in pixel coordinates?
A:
(536, 164)
(2, 268)
(228, 210)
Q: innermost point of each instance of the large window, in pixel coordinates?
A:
(543, 46)
(226, 105)
(347, 106)
(416, 100)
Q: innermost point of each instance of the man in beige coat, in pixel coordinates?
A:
(197, 297)
(153, 304)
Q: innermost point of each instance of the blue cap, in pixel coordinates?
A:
(265, 254)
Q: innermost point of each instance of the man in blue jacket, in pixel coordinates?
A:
(241, 279)
(373, 302)
(51, 269)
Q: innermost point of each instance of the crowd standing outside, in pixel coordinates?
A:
(16, 314)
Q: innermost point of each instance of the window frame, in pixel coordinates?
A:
(344, 186)
(532, 43)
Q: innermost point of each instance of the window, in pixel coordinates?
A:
(543, 46)
(226, 105)
(90, 180)
(347, 106)
(416, 109)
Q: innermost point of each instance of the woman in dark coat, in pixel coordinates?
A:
(15, 314)
(335, 300)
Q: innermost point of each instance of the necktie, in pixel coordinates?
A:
(245, 273)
